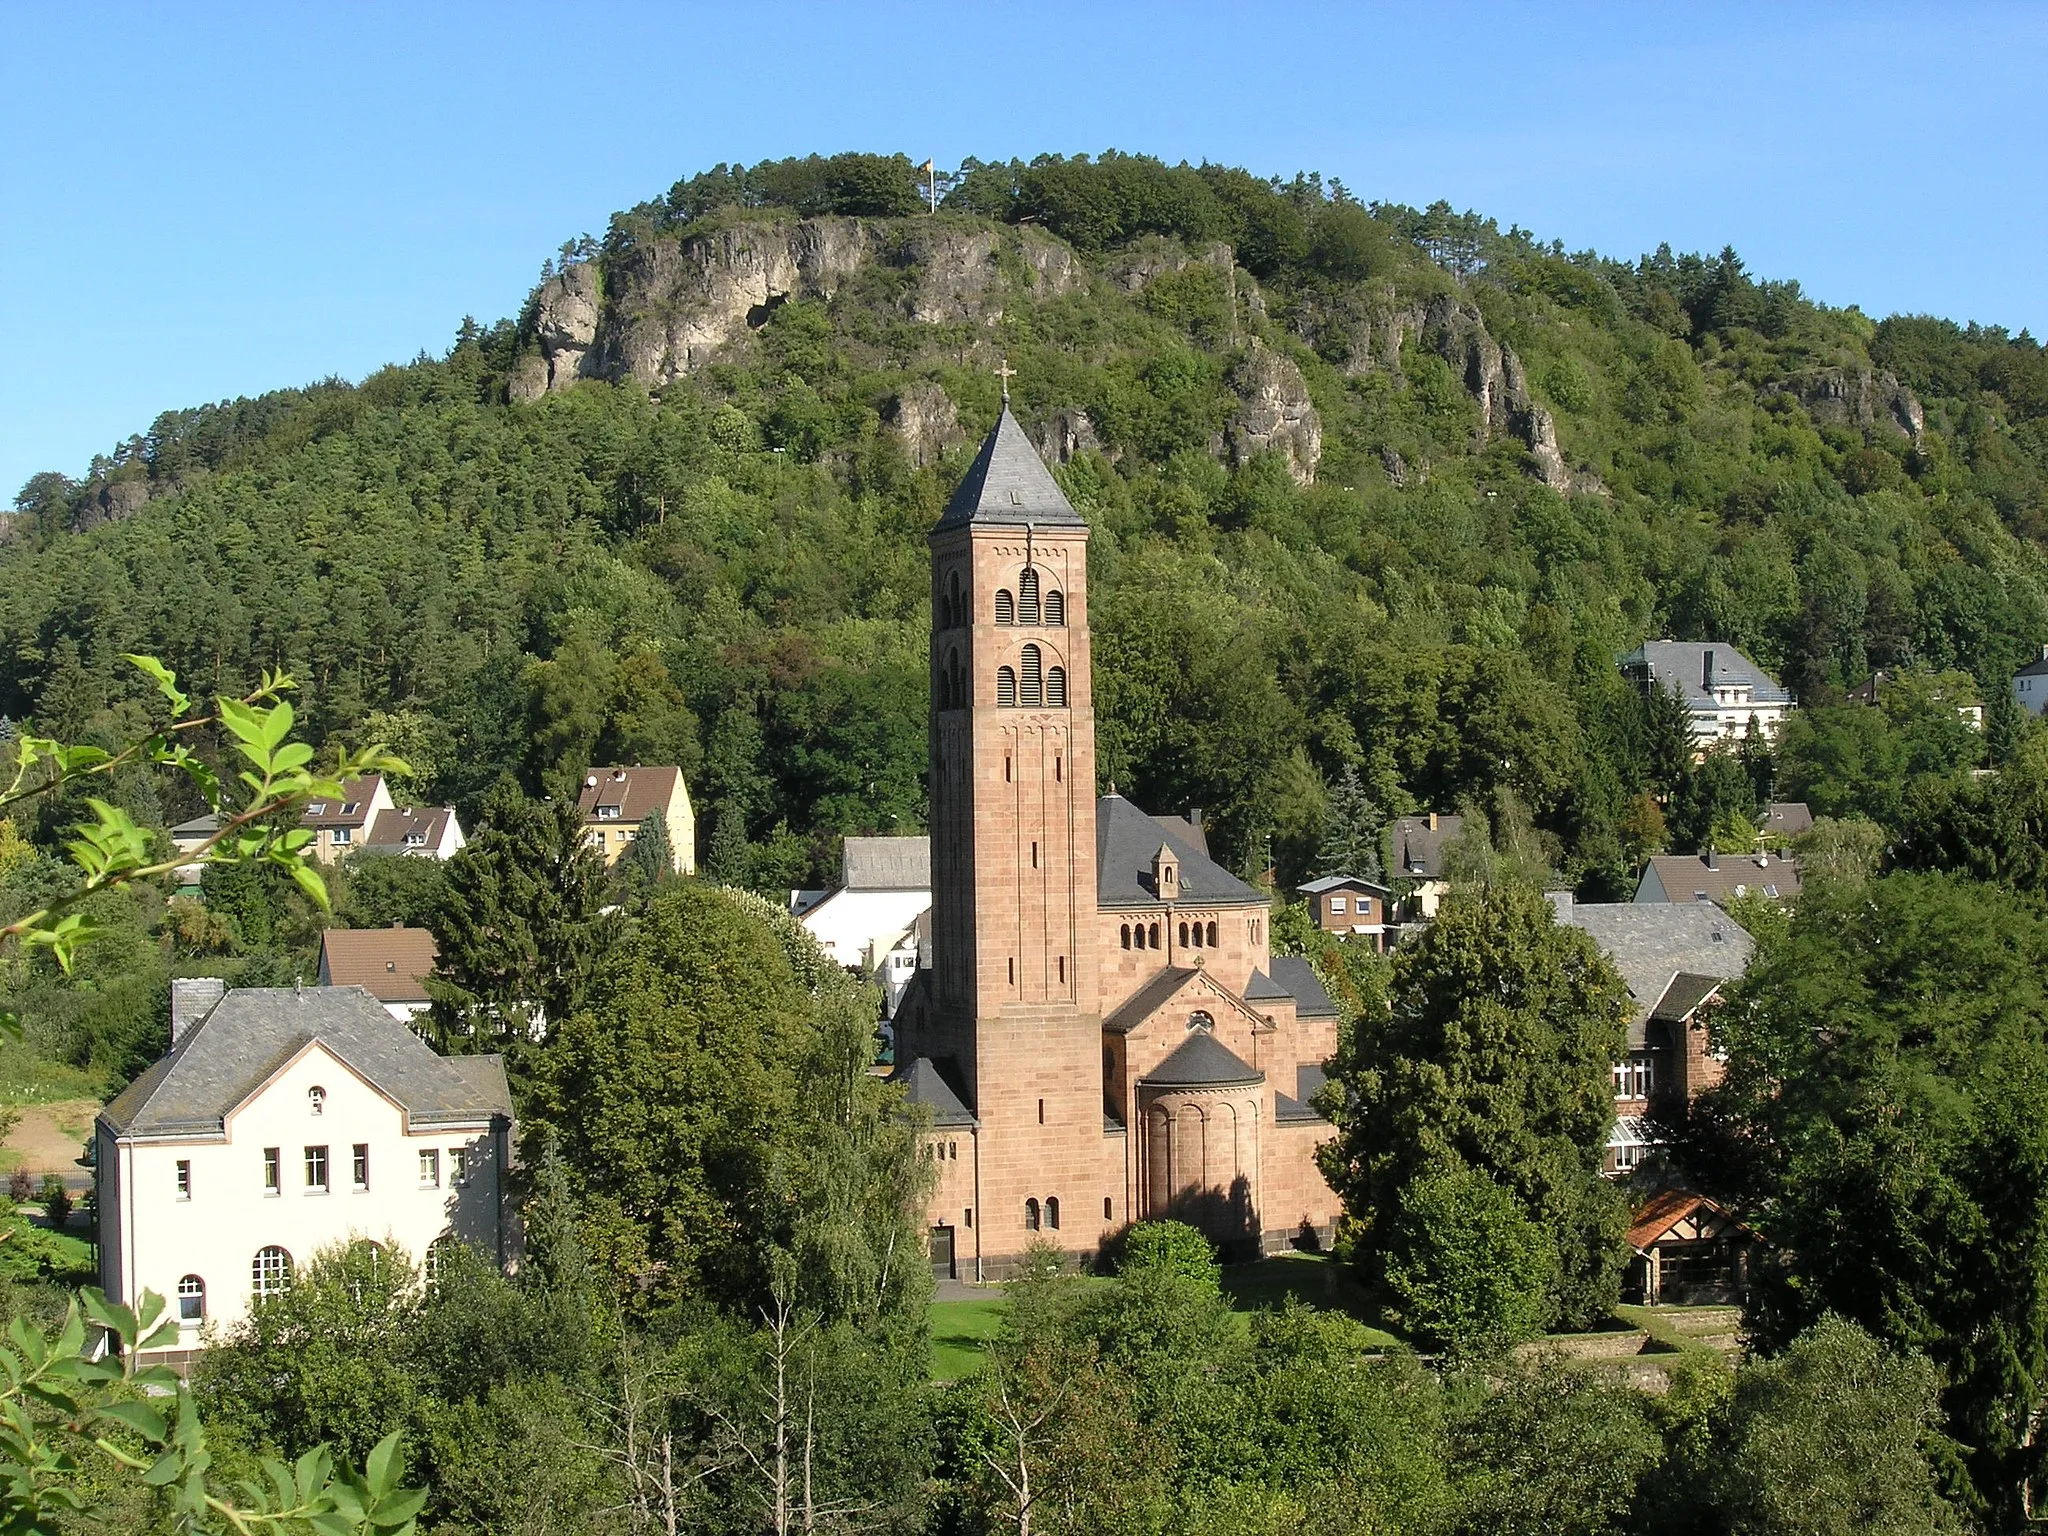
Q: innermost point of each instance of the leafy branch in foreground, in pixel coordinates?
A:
(276, 778)
(59, 1408)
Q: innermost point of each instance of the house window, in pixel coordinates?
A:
(430, 1168)
(359, 1166)
(1027, 596)
(317, 808)
(1201, 1022)
(316, 1100)
(1336, 903)
(1183, 935)
(1006, 688)
(349, 807)
(1052, 1212)
(1006, 608)
(1154, 939)
(458, 1165)
(1635, 1078)
(1030, 1215)
(1032, 662)
(184, 1179)
(271, 1272)
(608, 813)
(341, 836)
(1108, 1208)
(191, 1301)
(440, 1254)
(316, 1170)
(273, 1171)
(1055, 609)
(415, 839)
(1056, 688)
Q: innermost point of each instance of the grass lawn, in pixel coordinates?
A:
(74, 1254)
(26, 1078)
(958, 1329)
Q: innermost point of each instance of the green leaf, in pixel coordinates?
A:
(140, 1417)
(383, 1468)
(164, 1469)
(166, 682)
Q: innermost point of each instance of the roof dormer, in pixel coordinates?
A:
(1166, 874)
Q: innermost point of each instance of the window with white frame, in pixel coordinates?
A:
(430, 1168)
(273, 1170)
(316, 1170)
(316, 1100)
(458, 1165)
(184, 1178)
(359, 1165)
(271, 1272)
(192, 1301)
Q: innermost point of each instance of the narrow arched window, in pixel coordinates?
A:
(1006, 688)
(192, 1300)
(1198, 935)
(1212, 935)
(1006, 607)
(1183, 935)
(1155, 935)
(1033, 664)
(1056, 687)
(316, 1099)
(1030, 1215)
(1052, 1212)
(271, 1272)
(1027, 596)
(1055, 609)
(1126, 935)
(952, 599)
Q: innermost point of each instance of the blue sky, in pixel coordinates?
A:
(203, 201)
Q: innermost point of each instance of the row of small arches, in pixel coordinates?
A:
(1048, 1215)
(1024, 606)
(1031, 684)
(1146, 935)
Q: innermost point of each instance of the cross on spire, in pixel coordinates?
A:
(1006, 373)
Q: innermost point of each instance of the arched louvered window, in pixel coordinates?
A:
(1006, 688)
(1052, 1212)
(952, 599)
(1055, 608)
(1006, 607)
(1155, 936)
(1056, 688)
(1212, 935)
(1125, 934)
(1033, 665)
(1027, 596)
(1183, 935)
(1030, 1215)
(1196, 935)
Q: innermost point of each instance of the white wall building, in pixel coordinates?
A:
(871, 923)
(2030, 684)
(284, 1121)
(1722, 689)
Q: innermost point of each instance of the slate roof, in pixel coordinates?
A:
(1264, 989)
(1008, 484)
(1202, 1061)
(637, 792)
(924, 1084)
(2036, 667)
(391, 828)
(1341, 883)
(1681, 665)
(1686, 877)
(1683, 996)
(1654, 944)
(1788, 818)
(1419, 851)
(253, 1031)
(1148, 999)
(1126, 839)
(886, 864)
(198, 827)
(1189, 826)
(391, 964)
(1292, 1111)
(1304, 986)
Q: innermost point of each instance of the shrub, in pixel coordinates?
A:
(1469, 1268)
(1169, 1248)
(20, 1186)
(56, 1200)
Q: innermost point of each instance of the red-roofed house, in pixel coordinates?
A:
(617, 802)
(391, 964)
(1686, 1251)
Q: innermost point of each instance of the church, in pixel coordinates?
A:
(1103, 1034)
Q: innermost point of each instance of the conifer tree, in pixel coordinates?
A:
(1351, 830)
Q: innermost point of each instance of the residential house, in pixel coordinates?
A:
(1869, 691)
(342, 826)
(1785, 820)
(391, 964)
(1723, 691)
(1718, 877)
(871, 923)
(1675, 958)
(2030, 684)
(618, 802)
(188, 837)
(285, 1121)
(1417, 857)
(1685, 1250)
(422, 832)
(1349, 905)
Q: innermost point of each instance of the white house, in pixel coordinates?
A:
(284, 1121)
(871, 923)
(2030, 684)
(422, 831)
(1722, 690)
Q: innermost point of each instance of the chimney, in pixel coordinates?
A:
(1713, 857)
(1707, 669)
(192, 998)
(1195, 817)
(1432, 821)
(1560, 905)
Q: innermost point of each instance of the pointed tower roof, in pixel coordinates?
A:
(1010, 484)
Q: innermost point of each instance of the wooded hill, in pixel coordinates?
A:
(1371, 487)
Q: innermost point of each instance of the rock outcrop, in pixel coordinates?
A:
(1859, 399)
(921, 417)
(1067, 436)
(565, 315)
(113, 502)
(1274, 413)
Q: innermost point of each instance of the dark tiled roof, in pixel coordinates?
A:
(199, 826)
(1202, 1061)
(1686, 877)
(1126, 841)
(924, 1084)
(886, 864)
(1419, 848)
(393, 827)
(390, 963)
(1653, 943)
(1264, 989)
(1304, 986)
(351, 810)
(2036, 667)
(1789, 818)
(1182, 826)
(1686, 992)
(1149, 999)
(1308, 1082)
(1681, 665)
(1008, 483)
(1287, 1111)
(1341, 883)
(637, 792)
(253, 1031)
